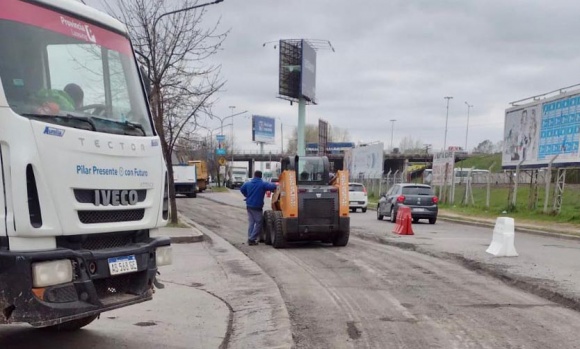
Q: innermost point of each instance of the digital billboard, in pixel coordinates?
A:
(263, 129)
(308, 73)
(538, 131)
(289, 69)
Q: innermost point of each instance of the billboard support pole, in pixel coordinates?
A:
(515, 196)
(559, 190)
(301, 126)
(548, 182)
(488, 185)
(261, 153)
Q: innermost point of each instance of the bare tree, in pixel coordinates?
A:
(409, 145)
(484, 147)
(337, 134)
(175, 50)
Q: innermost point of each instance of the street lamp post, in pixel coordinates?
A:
(446, 120)
(281, 135)
(392, 132)
(183, 10)
(211, 146)
(232, 107)
(467, 129)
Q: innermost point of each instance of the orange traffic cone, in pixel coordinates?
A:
(403, 225)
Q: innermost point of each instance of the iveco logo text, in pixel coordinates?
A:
(116, 197)
(113, 145)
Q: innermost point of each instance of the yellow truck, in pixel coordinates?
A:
(201, 169)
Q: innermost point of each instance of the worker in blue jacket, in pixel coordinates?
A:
(254, 192)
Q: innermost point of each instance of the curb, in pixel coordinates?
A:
(246, 321)
(510, 279)
(186, 239)
(517, 229)
(520, 229)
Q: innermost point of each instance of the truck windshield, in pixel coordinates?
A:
(62, 70)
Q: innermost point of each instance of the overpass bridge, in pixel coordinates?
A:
(391, 162)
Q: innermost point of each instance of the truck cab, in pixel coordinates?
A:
(82, 175)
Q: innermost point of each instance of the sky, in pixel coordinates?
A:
(397, 59)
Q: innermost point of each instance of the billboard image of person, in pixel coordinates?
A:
(521, 135)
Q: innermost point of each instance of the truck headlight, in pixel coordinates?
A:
(164, 256)
(52, 273)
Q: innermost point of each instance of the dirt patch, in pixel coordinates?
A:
(146, 324)
(352, 331)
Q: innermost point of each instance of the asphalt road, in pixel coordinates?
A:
(368, 295)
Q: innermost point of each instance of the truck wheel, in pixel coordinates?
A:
(277, 234)
(72, 325)
(364, 209)
(341, 239)
(393, 216)
(268, 227)
(432, 220)
(191, 195)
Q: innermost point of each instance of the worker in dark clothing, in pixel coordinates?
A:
(254, 192)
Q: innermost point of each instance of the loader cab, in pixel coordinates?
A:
(310, 170)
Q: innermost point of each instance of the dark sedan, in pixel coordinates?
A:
(419, 197)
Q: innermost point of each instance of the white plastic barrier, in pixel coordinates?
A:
(502, 243)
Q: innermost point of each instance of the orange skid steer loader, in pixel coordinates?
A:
(308, 205)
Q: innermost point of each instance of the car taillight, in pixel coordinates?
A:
(400, 198)
(435, 200)
(365, 191)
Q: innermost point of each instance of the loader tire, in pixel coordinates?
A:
(341, 239)
(278, 238)
(267, 227)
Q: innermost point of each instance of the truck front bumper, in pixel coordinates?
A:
(92, 291)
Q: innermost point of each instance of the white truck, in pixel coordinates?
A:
(238, 176)
(185, 180)
(82, 176)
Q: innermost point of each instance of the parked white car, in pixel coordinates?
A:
(358, 197)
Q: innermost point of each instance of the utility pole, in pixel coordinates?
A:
(392, 132)
(467, 129)
(446, 120)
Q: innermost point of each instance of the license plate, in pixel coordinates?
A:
(122, 265)
(418, 209)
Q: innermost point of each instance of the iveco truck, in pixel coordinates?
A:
(83, 185)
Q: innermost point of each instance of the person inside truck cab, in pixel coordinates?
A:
(76, 93)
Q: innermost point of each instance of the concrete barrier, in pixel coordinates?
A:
(502, 243)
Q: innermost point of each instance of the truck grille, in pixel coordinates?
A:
(93, 217)
(87, 196)
(317, 211)
(95, 242)
(104, 242)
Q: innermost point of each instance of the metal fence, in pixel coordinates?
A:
(376, 186)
